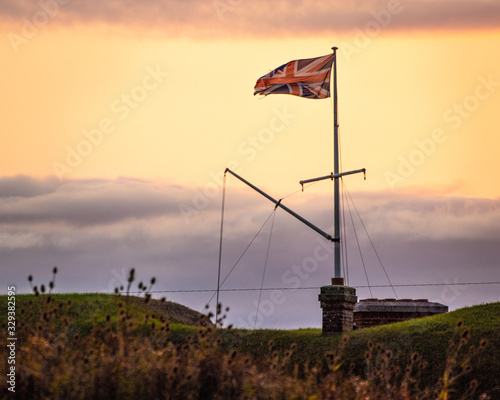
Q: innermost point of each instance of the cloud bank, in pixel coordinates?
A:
(95, 230)
(261, 18)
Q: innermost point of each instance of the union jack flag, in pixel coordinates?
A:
(309, 78)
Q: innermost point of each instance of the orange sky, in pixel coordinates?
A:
(416, 109)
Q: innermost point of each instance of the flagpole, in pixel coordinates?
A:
(336, 182)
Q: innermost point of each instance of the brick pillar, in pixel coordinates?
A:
(337, 302)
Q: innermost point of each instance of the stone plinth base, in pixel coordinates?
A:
(338, 304)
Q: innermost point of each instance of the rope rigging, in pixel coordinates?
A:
(370, 240)
(239, 259)
(345, 199)
(265, 266)
(219, 283)
(359, 249)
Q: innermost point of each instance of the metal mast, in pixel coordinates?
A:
(335, 176)
(336, 170)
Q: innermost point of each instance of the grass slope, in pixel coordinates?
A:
(88, 310)
(428, 337)
(382, 353)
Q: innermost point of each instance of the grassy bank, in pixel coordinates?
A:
(110, 346)
(459, 336)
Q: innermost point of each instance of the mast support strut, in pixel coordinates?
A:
(278, 204)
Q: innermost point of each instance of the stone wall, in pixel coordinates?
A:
(374, 312)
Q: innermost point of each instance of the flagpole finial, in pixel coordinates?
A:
(334, 48)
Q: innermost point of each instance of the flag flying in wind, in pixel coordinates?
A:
(308, 78)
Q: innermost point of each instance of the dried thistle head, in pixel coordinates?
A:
(422, 365)
(131, 276)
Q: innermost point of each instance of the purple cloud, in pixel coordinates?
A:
(218, 18)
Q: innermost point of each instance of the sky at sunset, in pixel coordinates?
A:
(119, 118)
